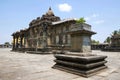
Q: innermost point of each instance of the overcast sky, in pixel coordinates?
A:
(102, 15)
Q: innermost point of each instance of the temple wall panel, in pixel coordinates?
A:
(86, 44)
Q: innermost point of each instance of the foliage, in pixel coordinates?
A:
(81, 20)
(108, 39)
(7, 43)
(95, 42)
(115, 32)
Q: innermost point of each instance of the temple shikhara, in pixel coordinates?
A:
(49, 32)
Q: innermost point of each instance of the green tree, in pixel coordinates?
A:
(108, 39)
(6, 43)
(81, 20)
(95, 42)
(115, 32)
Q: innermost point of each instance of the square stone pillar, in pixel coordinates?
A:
(76, 43)
(80, 43)
(81, 37)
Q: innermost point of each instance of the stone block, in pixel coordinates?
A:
(85, 64)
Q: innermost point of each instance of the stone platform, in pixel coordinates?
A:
(81, 64)
(38, 52)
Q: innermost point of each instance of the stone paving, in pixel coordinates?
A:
(24, 66)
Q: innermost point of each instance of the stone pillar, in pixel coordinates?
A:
(21, 41)
(45, 25)
(44, 40)
(17, 42)
(80, 43)
(13, 42)
(49, 40)
(86, 45)
(76, 43)
(25, 39)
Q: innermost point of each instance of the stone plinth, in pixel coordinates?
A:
(81, 37)
(82, 64)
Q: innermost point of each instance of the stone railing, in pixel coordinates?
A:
(80, 26)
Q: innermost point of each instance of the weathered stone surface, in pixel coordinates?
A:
(49, 30)
(84, 73)
(80, 58)
(80, 66)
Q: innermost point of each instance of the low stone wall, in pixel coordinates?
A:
(112, 49)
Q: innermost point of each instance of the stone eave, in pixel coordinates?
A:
(63, 21)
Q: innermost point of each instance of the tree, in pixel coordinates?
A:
(108, 39)
(6, 43)
(95, 42)
(115, 32)
(81, 20)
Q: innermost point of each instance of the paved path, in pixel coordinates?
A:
(22, 66)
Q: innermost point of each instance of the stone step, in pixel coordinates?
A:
(80, 66)
(81, 58)
(80, 72)
(84, 65)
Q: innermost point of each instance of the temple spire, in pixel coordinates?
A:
(50, 8)
(50, 12)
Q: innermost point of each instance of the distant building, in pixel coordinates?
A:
(5, 46)
(115, 40)
(115, 43)
(49, 31)
(99, 46)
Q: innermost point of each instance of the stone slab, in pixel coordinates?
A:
(76, 58)
(79, 72)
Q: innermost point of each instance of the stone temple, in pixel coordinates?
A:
(115, 44)
(69, 40)
(50, 32)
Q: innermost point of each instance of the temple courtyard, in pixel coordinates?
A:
(24, 66)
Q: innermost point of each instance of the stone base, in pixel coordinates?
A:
(38, 52)
(33, 50)
(84, 65)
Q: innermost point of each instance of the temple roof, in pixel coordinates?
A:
(62, 21)
(50, 12)
(117, 36)
(82, 32)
